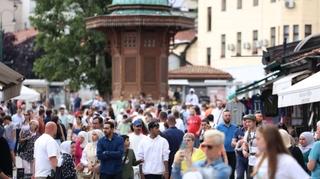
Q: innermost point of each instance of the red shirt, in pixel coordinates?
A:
(194, 124)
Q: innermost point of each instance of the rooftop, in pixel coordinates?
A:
(199, 72)
(24, 35)
(185, 36)
(140, 2)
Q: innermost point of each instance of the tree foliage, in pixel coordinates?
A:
(21, 56)
(71, 52)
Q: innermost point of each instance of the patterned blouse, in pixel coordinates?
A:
(68, 167)
(27, 153)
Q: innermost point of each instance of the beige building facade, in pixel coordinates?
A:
(232, 34)
(15, 14)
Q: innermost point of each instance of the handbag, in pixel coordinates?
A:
(86, 173)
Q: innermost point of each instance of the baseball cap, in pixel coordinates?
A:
(137, 122)
(249, 117)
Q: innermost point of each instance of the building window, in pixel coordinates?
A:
(208, 56)
(223, 5)
(255, 42)
(209, 18)
(285, 33)
(238, 44)
(239, 4)
(272, 36)
(272, 1)
(223, 46)
(295, 33)
(255, 2)
(307, 30)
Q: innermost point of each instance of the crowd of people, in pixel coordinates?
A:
(140, 138)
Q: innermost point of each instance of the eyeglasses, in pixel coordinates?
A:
(207, 146)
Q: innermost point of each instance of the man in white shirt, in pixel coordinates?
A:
(192, 98)
(217, 113)
(135, 138)
(46, 152)
(249, 147)
(63, 116)
(154, 151)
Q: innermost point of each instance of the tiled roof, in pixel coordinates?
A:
(199, 72)
(186, 35)
(24, 35)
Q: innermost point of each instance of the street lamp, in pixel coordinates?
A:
(2, 31)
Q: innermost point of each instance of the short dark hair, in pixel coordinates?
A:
(163, 115)
(125, 137)
(99, 119)
(55, 118)
(110, 123)
(226, 110)
(210, 117)
(7, 118)
(176, 114)
(152, 125)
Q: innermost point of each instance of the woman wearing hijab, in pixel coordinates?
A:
(293, 150)
(81, 143)
(306, 141)
(89, 161)
(66, 161)
(5, 157)
(27, 154)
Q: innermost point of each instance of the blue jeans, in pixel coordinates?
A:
(242, 167)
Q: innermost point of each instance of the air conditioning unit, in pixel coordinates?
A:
(246, 46)
(256, 44)
(290, 4)
(231, 47)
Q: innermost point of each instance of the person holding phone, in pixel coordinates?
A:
(212, 166)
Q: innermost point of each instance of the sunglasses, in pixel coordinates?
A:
(188, 140)
(207, 146)
(139, 126)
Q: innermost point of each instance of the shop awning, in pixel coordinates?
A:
(10, 82)
(257, 84)
(303, 92)
(285, 82)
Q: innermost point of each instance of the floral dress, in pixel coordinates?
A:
(27, 153)
(68, 167)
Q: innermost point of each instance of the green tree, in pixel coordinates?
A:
(70, 51)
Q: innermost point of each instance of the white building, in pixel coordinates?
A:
(232, 34)
(15, 14)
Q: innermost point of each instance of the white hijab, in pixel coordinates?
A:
(309, 140)
(65, 148)
(85, 136)
(96, 131)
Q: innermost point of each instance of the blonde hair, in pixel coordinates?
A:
(217, 136)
